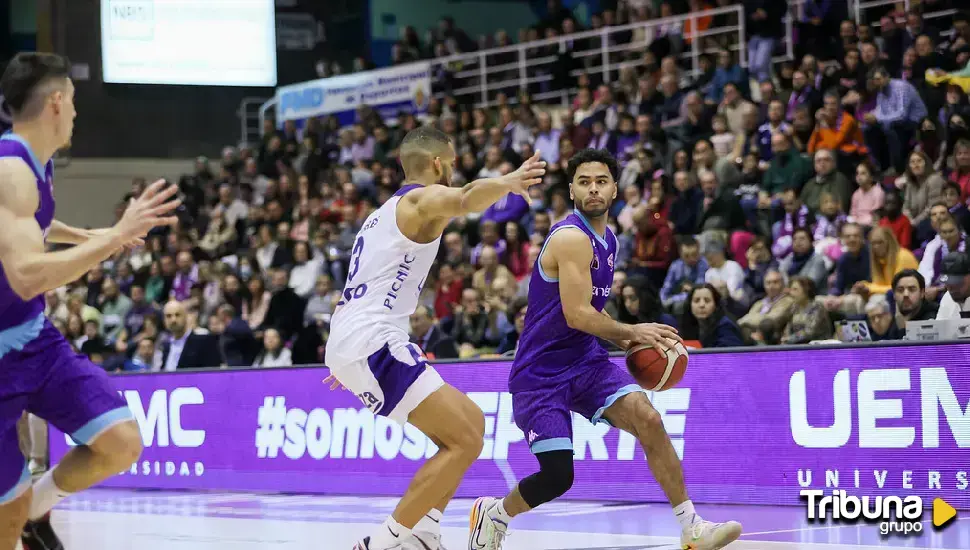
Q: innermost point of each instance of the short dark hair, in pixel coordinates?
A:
(804, 230)
(26, 75)
(910, 273)
(951, 185)
(689, 242)
(592, 155)
(419, 147)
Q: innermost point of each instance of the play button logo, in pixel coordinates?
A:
(943, 513)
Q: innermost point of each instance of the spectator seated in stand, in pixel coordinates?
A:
(763, 323)
(684, 274)
(426, 333)
(706, 321)
(809, 321)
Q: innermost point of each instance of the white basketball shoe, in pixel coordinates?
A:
(424, 541)
(485, 533)
(706, 535)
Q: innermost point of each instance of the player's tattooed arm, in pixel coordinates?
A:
(437, 202)
(567, 255)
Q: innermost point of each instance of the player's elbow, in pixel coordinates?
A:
(22, 278)
(574, 317)
(25, 288)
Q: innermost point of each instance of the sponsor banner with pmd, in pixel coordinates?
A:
(754, 428)
(389, 91)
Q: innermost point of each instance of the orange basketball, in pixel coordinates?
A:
(655, 371)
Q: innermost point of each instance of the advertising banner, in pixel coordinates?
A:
(388, 91)
(751, 428)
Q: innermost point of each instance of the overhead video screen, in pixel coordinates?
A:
(189, 42)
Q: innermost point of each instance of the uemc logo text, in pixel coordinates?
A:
(898, 405)
(161, 424)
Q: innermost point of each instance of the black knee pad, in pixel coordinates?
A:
(554, 478)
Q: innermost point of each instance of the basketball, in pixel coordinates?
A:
(655, 371)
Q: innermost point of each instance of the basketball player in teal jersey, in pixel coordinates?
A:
(560, 367)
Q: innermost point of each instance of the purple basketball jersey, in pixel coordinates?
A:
(549, 351)
(39, 372)
(13, 309)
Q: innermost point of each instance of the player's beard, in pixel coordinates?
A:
(595, 210)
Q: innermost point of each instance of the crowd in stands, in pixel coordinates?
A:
(755, 207)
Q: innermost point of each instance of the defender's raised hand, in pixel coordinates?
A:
(152, 209)
(527, 175)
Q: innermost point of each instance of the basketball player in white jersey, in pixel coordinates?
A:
(369, 352)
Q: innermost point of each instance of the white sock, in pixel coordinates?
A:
(46, 496)
(19, 546)
(685, 514)
(430, 523)
(497, 512)
(389, 535)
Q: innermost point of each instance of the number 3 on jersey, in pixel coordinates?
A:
(355, 258)
(354, 292)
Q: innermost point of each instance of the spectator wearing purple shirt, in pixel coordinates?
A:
(547, 138)
(775, 123)
(510, 208)
(890, 128)
(488, 231)
(363, 146)
(140, 309)
(185, 278)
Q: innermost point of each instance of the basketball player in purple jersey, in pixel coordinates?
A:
(561, 367)
(39, 372)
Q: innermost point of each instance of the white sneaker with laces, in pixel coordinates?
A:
(706, 535)
(485, 533)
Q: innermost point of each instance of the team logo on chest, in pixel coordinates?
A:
(595, 264)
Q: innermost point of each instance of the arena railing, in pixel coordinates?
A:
(480, 76)
(251, 120)
(477, 77)
(861, 8)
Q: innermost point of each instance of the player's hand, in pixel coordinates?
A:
(661, 337)
(334, 383)
(527, 175)
(152, 209)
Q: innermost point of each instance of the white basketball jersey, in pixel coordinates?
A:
(384, 278)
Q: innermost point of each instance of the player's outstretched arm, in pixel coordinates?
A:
(569, 253)
(447, 202)
(29, 269)
(63, 233)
